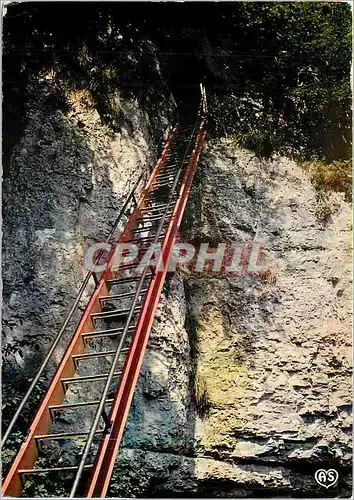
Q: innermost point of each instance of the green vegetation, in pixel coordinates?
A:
(44, 486)
(289, 79)
(335, 176)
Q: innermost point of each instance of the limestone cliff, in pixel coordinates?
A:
(246, 387)
(68, 178)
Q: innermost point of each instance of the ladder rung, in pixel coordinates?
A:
(127, 266)
(160, 184)
(151, 218)
(143, 229)
(107, 298)
(163, 181)
(167, 172)
(160, 190)
(169, 158)
(113, 314)
(161, 206)
(153, 221)
(154, 199)
(105, 333)
(53, 469)
(146, 238)
(162, 174)
(168, 164)
(157, 206)
(123, 281)
(86, 378)
(155, 214)
(149, 228)
(63, 435)
(68, 406)
(92, 355)
(159, 200)
(144, 248)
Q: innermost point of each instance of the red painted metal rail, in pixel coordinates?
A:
(103, 467)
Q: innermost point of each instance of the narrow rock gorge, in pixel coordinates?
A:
(246, 385)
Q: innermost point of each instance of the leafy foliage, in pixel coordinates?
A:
(277, 73)
(46, 485)
(290, 79)
(335, 176)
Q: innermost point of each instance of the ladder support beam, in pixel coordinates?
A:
(64, 376)
(108, 449)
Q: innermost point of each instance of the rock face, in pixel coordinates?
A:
(246, 387)
(69, 178)
(246, 384)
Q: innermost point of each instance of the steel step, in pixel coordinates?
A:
(168, 203)
(163, 197)
(159, 184)
(149, 228)
(156, 212)
(61, 436)
(145, 239)
(152, 197)
(32, 472)
(168, 172)
(161, 187)
(124, 281)
(144, 229)
(127, 267)
(168, 157)
(105, 333)
(107, 298)
(55, 408)
(164, 180)
(163, 174)
(159, 206)
(168, 167)
(113, 314)
(91, 355)
(147, 246)
(151, 218)
(65, 382)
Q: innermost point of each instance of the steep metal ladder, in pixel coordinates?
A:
(96, 377)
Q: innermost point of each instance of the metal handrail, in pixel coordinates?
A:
(70, 314)
(109, 378)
